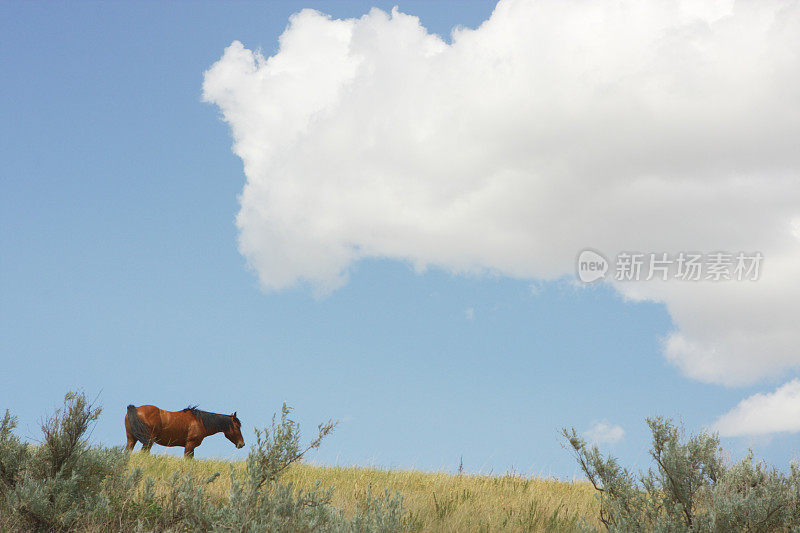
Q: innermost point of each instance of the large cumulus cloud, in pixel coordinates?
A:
(554, 126)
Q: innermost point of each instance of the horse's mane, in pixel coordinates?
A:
(213, 422)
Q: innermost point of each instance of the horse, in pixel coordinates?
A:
(148, 424)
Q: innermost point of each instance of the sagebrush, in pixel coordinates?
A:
(690, 488)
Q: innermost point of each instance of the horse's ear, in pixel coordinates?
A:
(234, 414)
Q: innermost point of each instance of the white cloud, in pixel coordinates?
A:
(762, 414)
(603, 432)
(553, 127)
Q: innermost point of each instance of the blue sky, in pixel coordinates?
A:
(120, 275)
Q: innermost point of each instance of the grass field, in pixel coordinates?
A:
(434, 501)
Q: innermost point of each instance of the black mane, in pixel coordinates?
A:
(213, 422)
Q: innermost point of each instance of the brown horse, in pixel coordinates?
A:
(148, 424)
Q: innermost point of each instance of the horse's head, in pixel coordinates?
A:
(234, 432)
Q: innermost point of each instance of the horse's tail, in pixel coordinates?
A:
(138, 429)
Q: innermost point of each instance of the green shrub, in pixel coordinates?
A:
(63, 482)
(690, 488)
(13, 455)
(259, 502)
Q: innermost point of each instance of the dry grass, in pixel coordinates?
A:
(435, 501)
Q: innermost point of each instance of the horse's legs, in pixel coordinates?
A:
(146, 447)
(188, 451)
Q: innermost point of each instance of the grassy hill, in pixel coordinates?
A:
(65, 484)
(434, 501)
